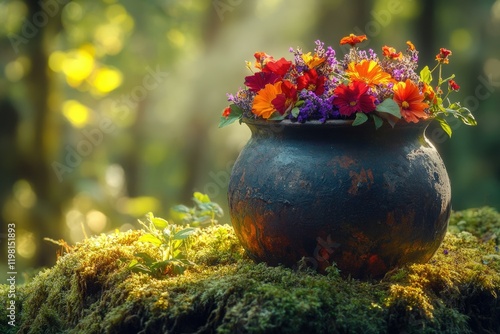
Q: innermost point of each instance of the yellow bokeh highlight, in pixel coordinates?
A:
(107, 79)
(495, 10)
(460, 40)
(77, 65)
(14, 71)
(56, 60)
(26, 244)
(116, 13)
(138, 206)
(96, 221)
(76, 113)
(109, 37)
(24, 194)
(176, 37)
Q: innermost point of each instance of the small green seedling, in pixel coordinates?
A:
(170, 239)
(203, 214)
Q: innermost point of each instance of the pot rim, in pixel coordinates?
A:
(333, 123)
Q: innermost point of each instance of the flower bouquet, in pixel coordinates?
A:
(360, 86)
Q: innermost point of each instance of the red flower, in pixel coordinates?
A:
(260, 79)
(352, 39)
(442, 57)
(226, 112)
(353, 98)
(453, 85)
(284, 101)
(311, 81)
(279, 67)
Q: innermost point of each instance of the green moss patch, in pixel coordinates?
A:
(91, 290)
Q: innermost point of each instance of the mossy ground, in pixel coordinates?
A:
(90, 290)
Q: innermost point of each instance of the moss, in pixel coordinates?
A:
(482, 222)
(90, 290)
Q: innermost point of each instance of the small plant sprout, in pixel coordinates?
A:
(170, 242)
(203, 214)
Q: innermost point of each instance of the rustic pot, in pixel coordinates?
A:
(367, 200)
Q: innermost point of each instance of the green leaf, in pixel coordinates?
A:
(150, 238)
(426, 75)
(181, 209)
(201, 198)
(295, 112)
(146, 258)
(276, 116)
(462, 113)
(140, 268)
(445, 126)
(236, 114)
(133, 263)
(159, 223)
(183, 234)
(225, 121)
(360, 119)
(378, 121)
(389, 106)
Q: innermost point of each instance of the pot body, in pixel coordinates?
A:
(368, 200)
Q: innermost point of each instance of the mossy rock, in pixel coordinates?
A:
(91, 290)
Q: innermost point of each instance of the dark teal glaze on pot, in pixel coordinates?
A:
(368, 200)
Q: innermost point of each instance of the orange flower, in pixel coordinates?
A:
(312, 61)
(370, 72)
(263, 102)
(352, 39)
(261, 59)
(390, 52)
(410, 101)
(411, 47)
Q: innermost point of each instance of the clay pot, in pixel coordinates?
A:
(367, 200)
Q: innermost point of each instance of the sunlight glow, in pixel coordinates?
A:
(14, 71)
(76, 113)
(96, 221)
(176, 37)
(461, 39)
(107, 79)
(77, 65)
(24, 194)
(26, 244)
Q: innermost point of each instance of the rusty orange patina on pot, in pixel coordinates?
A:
(368, 200)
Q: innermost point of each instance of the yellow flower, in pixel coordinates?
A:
(312, 61)
(369, 72)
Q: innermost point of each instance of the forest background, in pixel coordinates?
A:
(110, 108)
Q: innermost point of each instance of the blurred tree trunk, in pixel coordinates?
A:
(426, 30)
(46, 215)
